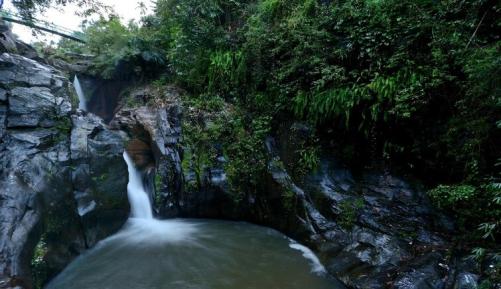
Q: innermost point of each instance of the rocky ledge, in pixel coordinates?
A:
(62, 176)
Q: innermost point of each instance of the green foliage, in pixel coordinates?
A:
(214, 129)
(226, 71)
(199, 36)
(451, 196)
(38, 264)
(289, 200)
(309, 159)
(382, 92)
(28, 8)
(119, 47)
(158, 181)
(100, 179)
(423, 85)
(491, 227)
(158, 186)
(349, 210)
(200, 151)
(120, 51)
(204, 131)
(492, 274)
(486, 284)
(476, 207)
(62, 125)
(471, 134)
(421, 88)
(245, 151)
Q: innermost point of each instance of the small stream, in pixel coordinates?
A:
(192, 254)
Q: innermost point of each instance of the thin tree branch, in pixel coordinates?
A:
(476, 30)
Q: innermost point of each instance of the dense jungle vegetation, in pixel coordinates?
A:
(412, 85)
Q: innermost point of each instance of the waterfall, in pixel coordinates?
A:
(138, 198)
(82, 101)
(152, 253)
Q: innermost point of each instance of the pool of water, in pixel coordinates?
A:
(195, 254)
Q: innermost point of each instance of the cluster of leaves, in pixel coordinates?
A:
(29, 8)
(349, 210)
(357, 66)
(38, 264)
(300, 151)
(122, 48)
(201, 138)
(120, 51)
(247, 159)
(474, 207)
(214, 130)
(378, 66)
(202, 42)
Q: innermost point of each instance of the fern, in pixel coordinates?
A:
(226, 70)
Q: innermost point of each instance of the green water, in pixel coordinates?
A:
(195, 254)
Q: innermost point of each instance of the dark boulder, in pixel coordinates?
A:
(99, 176)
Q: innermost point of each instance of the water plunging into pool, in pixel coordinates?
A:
(140, 205)
(192, 254)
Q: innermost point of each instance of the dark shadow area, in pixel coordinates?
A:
(103, 95)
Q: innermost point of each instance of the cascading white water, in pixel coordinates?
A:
(82, 101)
(195, 254)
(138, 198)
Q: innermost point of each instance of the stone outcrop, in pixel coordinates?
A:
(10, 44)
(34, 159)
(155, 134)
(63, 179)
(99, 176)
(7, 39)
(370, 229)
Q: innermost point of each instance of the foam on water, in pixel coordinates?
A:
(153, 232)
(317, 267)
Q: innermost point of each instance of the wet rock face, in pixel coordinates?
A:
(99, 177)
(372, 230)
(34, 159)
(160, 130)
(63, 180)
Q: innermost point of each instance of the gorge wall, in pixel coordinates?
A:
(63, 179)
(63, 188)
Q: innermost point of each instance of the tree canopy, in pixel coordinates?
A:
(29, 8)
